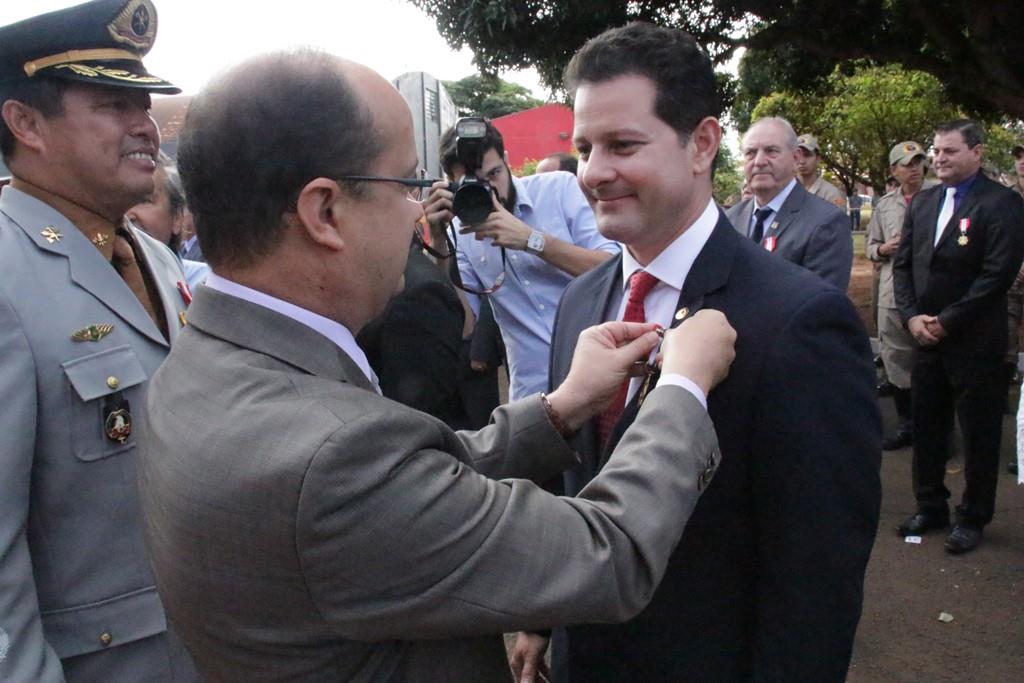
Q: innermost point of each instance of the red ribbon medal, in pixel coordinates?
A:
(186, 293)
(965, 225)
(769, 242)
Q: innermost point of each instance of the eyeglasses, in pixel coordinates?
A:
(415, 185)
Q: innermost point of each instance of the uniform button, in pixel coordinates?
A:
(106, 639)
(113, 382)
(513, 257)
(483, 259)
(526, 282)
(541, 307)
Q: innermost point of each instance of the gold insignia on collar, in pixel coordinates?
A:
(51, 234)
(92, 333)
(100, 239)
(181, 318)
(135, 25)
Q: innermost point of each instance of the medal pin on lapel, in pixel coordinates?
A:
(965, 225)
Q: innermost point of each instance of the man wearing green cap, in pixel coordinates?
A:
(88, 308)
(907, 164)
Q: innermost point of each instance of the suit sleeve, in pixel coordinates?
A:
(1004, 249)
(419, 347)
(830, 251)
(444, 551)
(816, 491)
(28, 656)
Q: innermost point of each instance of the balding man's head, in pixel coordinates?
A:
(259, 132)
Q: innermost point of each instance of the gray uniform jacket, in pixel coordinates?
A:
(335, 535)
(808, 231)
(74, 576)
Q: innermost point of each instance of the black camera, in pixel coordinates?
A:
(472, 203)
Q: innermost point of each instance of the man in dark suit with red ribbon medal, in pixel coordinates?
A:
(962, 245)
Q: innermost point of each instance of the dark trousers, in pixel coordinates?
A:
(973, 388)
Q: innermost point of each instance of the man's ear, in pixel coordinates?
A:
(320, 213)
(706, 138)
(25, 123)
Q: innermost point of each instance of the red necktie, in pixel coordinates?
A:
(640, 285)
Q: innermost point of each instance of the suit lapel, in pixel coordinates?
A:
(262, 330)
(787, 212)
(86, 265)
(709, 273)
(166, 278)
(743, 218)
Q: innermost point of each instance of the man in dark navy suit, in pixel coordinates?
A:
(961, 248)
(767, 582)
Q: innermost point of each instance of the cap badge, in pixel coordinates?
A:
(135, 25)
(92, 333)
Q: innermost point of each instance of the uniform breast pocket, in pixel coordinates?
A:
(104, 389)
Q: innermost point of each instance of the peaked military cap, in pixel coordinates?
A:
(100, 42)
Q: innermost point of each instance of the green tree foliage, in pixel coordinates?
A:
(728, 178)
(858, 117)
(489, 96)
(973, 48)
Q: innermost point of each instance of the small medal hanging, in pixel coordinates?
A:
(965, 225)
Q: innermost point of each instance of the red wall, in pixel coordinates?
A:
(536, 133)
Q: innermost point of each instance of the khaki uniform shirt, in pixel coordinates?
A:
(886, 222)
(827, 191)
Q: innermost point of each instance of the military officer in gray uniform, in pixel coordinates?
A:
(907, 164)
(88, 309)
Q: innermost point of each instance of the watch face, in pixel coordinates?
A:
(536, 242)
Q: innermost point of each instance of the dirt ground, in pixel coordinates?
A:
(901, 639)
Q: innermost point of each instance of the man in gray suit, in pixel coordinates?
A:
(304, 527)
(88, 309)
(782, 216)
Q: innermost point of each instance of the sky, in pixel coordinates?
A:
(196, 39)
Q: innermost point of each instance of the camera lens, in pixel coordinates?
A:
(472, 203)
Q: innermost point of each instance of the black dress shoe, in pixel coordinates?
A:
(900, 439)
(920, 522)
(886, 388)
(963, 539)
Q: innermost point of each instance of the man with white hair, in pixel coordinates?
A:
(782, 216)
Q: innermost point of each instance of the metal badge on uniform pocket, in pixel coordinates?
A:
(117, 418)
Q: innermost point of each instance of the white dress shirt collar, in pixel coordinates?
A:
(335, 331)
(673, 264)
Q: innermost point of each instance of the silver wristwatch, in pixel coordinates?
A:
(535, 244)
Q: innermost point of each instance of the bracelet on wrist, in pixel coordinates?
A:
(556, 420)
